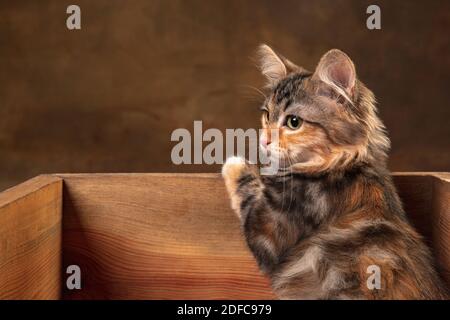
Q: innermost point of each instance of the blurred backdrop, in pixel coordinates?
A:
(107, 97)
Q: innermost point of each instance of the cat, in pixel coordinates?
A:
(331, 215)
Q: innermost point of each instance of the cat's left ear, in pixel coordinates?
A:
(337, 70)
(274, 66)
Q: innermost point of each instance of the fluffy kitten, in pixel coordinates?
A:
(319, 226)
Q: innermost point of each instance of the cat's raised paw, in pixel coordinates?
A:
(233, 166)
(232, 170)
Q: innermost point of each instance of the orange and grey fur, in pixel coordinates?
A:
(331, 212)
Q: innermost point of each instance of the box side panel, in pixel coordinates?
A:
(174, 236)
(154, 236)
(30, 240)
(426, 199)
(416, 192)
(441, 225)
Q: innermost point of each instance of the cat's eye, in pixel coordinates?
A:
(266, 115)
(293, 122)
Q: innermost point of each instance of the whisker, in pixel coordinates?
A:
(291, 162)
(280, 152)
(256, 90)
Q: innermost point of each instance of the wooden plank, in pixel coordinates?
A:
(416, 192)
(426, 199)
(440, 232)
(156, 236)
(30, 240)
(173, 236)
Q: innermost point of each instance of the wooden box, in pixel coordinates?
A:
(156, 236)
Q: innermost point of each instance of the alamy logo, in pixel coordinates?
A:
(213, 153)
(374, 20)
(74, 280)
(374, 280)
(73, 21)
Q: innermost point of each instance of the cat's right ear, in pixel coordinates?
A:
(337, 70)
(271, 65)
(274, 66)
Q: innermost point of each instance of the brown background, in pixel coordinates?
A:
(106, 98)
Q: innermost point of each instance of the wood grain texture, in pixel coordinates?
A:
(426, 199)
(173, 236)
(156, 236)
(418, 193)
(441, 224)
(30, 240)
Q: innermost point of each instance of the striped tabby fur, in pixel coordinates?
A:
(333, 210)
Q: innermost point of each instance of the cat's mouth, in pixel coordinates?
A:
(276, 157)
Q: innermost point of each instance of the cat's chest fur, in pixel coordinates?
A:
(310, 204)
(304, 201)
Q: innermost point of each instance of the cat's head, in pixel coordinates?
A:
(326, 120)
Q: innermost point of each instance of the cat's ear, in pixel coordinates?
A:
(274, 66)
(337, 70)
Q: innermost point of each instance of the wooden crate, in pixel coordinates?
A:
(156, 236)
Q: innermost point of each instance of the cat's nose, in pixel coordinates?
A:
(265, 141)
